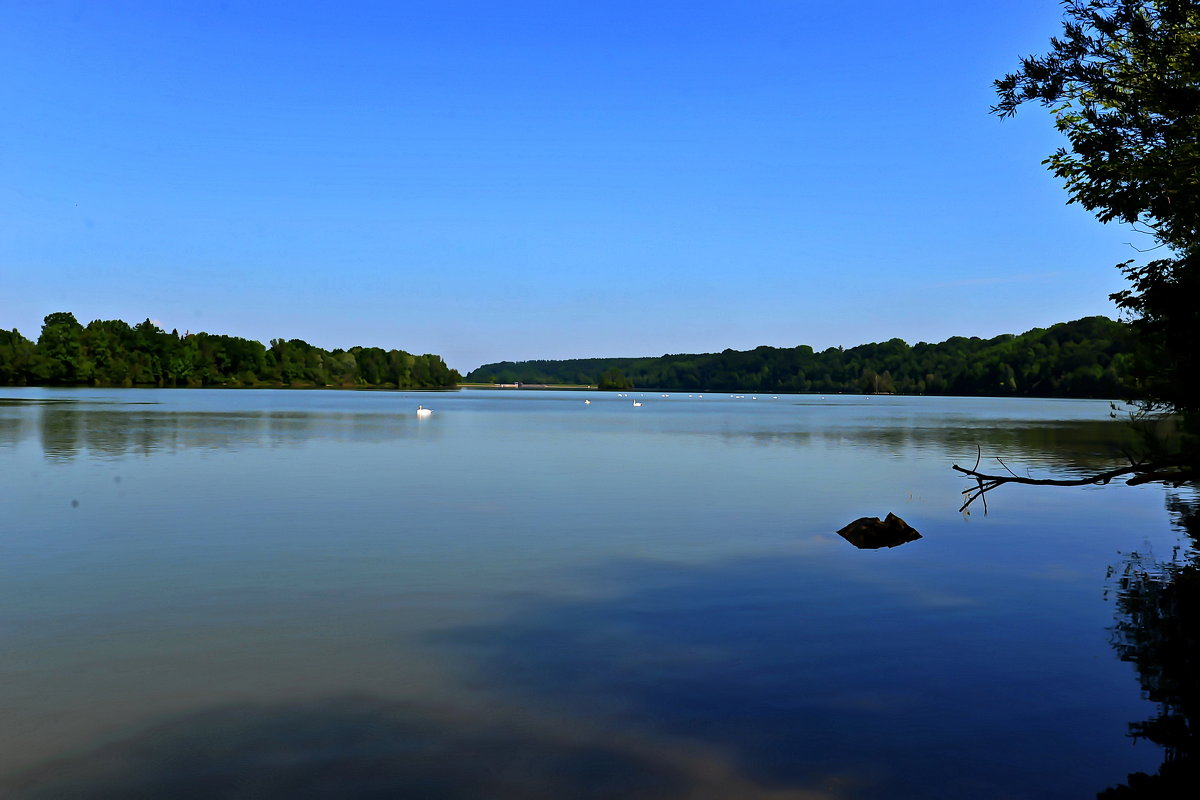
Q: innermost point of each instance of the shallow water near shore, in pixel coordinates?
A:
(317, 593)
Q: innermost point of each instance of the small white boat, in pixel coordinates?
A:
(422, 411)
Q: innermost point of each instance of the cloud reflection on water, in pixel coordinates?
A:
(365, 747)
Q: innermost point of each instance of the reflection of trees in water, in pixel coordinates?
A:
(1072, 446)
(1158, 631)
(12, 429)
(66, 431)
(112, 433)
(1067, 445)
(65, 428)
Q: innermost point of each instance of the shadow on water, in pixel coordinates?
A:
(363, 747)
(1158, 631)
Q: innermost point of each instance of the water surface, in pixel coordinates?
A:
(307, 594)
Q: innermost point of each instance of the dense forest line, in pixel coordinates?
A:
(114, 353)
(1090, 357)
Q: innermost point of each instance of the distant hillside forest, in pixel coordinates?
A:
(1090, 357)
(114, 353)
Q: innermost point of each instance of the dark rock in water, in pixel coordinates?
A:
(868, 533)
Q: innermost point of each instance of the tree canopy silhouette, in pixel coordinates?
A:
(1123, 84)
(114, 353)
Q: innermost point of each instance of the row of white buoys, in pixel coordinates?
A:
(743, 397)
(422, 411)
(638, 403)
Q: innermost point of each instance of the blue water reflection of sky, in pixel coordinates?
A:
(938, 691)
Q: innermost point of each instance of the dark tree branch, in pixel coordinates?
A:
(1171, 472)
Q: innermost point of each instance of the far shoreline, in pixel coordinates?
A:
(558, 388)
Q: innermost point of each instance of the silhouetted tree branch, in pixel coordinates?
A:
(1172, 472)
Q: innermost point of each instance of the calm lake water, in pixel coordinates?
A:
(282, 594)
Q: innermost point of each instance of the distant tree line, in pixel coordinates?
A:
(1090, 357)
(114, 353)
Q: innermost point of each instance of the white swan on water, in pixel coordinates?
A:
(637, 403)
(422, 411)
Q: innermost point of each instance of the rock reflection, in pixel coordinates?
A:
(1158, 631)
(363, 747)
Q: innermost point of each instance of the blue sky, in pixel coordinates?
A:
(523, 180)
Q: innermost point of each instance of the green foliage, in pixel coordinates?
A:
(60, 354)
(16, 358)
(612, 380)
(1085, 358)
(113, 353)
(1124, 85)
